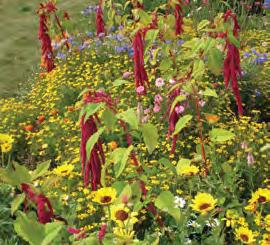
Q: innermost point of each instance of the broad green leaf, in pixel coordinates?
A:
(120, 157)
(182, 122)
(215, 61)
(166, 64)
(92, 141)
(182, 162)
(221, 135)
(125, 193)
(165, 202)
(88, 241)
(119, 82)
(210, 92)
(234, 40)
(129, 117)
(15, 204)
(91, 109)
(109, 118)
(178, 99)
(41, 169)
(150, 136)
(28, 229)
(150, 37)
(198, 69)
(15, 176)
(51, 232)
(203, 24)
(192, 43)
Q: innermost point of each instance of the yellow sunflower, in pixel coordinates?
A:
(105, 196)
(122, 215)
(266, 239)
(245, 235)
(125, 236)
(203, 203)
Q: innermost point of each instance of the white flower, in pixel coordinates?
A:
(172, 81)
(179, 202)
(193, 223)
(213, 223)
(159, 82)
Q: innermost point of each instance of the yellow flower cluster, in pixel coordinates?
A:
(5, 143)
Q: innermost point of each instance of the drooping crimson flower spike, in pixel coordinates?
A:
(179, 22)
(44, 208)
(45, 40)
(141, 77)
(232, 67)
(100, 26)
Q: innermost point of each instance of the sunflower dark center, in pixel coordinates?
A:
(261, 199)
(105, 199)
(204, 206)
(121, 215)
(244, 237)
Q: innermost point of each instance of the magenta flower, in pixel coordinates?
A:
(156, 108)
(179, 109)
(140, 89)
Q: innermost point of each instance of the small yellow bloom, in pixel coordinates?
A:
(63, 170)
(267, 222)
(187, 170)
(245, 235)
(265, 240)
(105, 196)
(203, 203)
(6, 143)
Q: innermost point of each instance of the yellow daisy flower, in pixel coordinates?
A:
(265, 240)
(105, 196)
(63, 170)
(245, 235)
(203, 203)
(122, 215)
(187, 170)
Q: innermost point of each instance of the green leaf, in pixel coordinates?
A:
(41, 169)
(234, 40)
(109, 118)
(92, 141)
(210, 92)
(15, 204)
(126, 192)
(215, 61)
(119, 82)
(28, 229)
(88, 241)
(129, 117)
(51, 232)
(198, 69)
(165, 202)
(182, 122)
(15, 176)
(150, 136)
(150, 37)
(91, 109)
(120, 157)
(166, 64)
(182, 162)
(203, 24)
(221, 135)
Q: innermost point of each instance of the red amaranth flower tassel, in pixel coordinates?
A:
(100, 27)
(44, 208)
(232, 67)
(97, 157)
(141, 77)
(43, 35)
(178, 19)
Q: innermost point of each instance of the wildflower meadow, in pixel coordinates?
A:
(145, 122)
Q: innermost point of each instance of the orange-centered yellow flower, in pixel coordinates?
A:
(245, 235)
(105, 196)
(203, 203)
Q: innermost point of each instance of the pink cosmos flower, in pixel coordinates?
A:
(179, 109)
(159, 82)
(156, 108)
(158, 99)
(127, 74)
(250, 159)
(140, 89)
